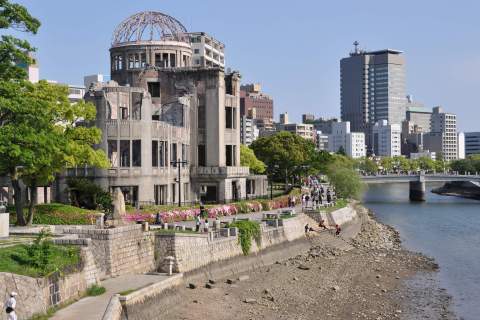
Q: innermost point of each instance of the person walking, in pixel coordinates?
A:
(198, 223)
(337, 230)
(206, 225)
(10, 306)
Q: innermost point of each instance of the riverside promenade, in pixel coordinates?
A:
(94, 307)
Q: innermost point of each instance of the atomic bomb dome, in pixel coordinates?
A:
(149, 26)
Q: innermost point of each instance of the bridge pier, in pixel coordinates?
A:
(417, 190)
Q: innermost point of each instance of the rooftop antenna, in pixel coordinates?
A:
(356, 44)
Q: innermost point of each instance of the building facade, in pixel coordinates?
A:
(443, 136)
(308, 118)
(353, 143)
(206, 50)
(303, 130)
(372, 88)
(322, 141)
(248, 130)
(171, 130)
(254, 103)
(386, 139)
(472, 143)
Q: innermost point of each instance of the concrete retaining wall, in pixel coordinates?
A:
(193, 251)
(340, 216)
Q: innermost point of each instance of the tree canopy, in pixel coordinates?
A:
(248, 159)
(470, 164)
(42, 133)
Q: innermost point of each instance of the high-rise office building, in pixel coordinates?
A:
(284, 118)
(386, 139)
(372, 88)
(308, 118)
(443, 136)
(472, 143)
(353, 143)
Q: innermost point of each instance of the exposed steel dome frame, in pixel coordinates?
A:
(149, 26)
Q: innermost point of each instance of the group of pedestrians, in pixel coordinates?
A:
(317, 196)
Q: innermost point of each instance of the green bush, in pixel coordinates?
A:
(87, 194)
(247, 230)
(95, 290)
(59, 214)
(40, 258)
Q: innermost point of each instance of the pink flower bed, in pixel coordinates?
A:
(214, 212)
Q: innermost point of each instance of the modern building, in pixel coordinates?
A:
(303, 130)
(308, 118)
(322, 141)
(284, 118)
(254, 103)
(92, 79)
(353, 143)
(419, 116)
(443, 136)
(206, 50)
(248, 130)
(386, 139)
(266, 127)
(75, 93)
(423, 154)
(461, 145)
(372, 88)
(171, 130)
(324, 124)
(472, 143)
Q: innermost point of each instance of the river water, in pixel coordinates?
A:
(445, 228)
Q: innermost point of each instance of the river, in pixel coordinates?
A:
(445, 228)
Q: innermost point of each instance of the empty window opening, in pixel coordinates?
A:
(173, 60)
(125, 153)
(137, 153)
(154, 89)
(113, 153)
(202, 156)
(155, 153)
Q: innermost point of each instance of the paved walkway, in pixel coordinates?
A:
(92, 308)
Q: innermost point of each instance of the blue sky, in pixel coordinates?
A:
(292, 48)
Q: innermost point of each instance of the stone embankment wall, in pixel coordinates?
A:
(340, 216)
(118, 251)
(193, 251)
(36, 295)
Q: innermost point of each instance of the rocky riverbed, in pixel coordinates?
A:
(364, 274)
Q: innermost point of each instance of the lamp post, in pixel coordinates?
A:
(178, 164)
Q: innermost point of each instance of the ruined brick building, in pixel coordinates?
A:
(159, 109)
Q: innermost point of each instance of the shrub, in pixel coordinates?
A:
(87, 194)
(95, 290)
(60, 214)
(247, 230)
(40, 258)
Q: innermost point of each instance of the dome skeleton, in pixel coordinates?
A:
(149, 26)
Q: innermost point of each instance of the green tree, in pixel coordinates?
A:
(248, 159)
(341, 151)
(42, 133)
(284, 152)
(344, 178)
(426, 164)
(367, 165)
(387, 164)
(14, 53)
(401, 163)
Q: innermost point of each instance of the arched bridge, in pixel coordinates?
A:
(417, 181)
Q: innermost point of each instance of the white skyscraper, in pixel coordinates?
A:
(341, 138)
(386, 139)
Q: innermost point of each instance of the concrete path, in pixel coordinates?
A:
(252, 216)
(92, 308)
